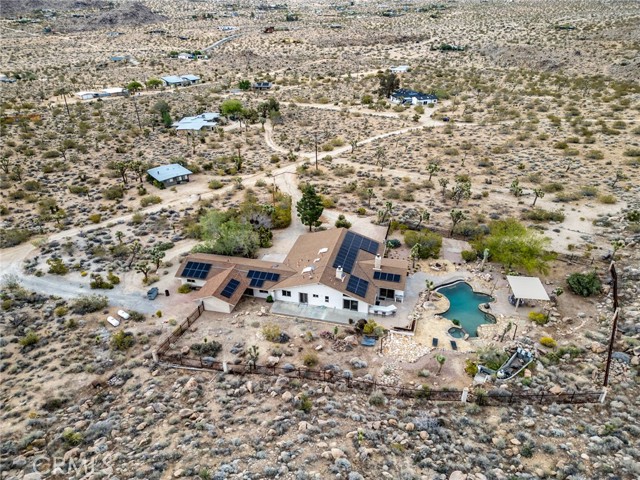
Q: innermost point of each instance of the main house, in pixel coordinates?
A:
(404, 96)
(336, 269)
(207, 120)
(180, 80)
(169, 175)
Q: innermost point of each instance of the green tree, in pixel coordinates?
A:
(388, 83)
(310, 208)
(244, 84)
(231, 107)
(511, 244)
(515, 188)
(584, 284)
(156, 255)
(153, 83)
(134, 86)
(462, 189)
(224, 235)
(443, 183)
(144, 268)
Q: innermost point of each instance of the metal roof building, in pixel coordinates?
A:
(204, 120)
(167, 172)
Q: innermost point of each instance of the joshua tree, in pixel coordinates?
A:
(380, 153)
(443, 183)
(354, 144)
(440, 359)
(370, 195)
(433, 168)
(5, 164)
(119, 236)
(144, 268)
(456, 217)
(619, 176)
(515, 188)
(121, 168)
(539, 193)
(414, 253)
(254, 353)
(238, 159)
(134, 249)
(156, 256)
(461, 190)
(423, 216)
(429, 285)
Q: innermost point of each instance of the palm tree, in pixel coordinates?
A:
(440, 359)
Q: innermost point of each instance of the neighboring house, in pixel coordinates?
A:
(185, 56)
(206, 120)
(119, 58)
(5, 79)
(180, 80)
(411, 97)
(115, 92)
(170, 175)
(400, 69)
(87, 95)
(262, 86)
(336, 269)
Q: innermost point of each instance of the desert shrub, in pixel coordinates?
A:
(588, 191)
(95, 218)
(57, 266)
(633, 216)
(548, 342)
(542, 215)
(584, 284)
(430, 242)
(271, 332)
(342, 222)
(53, 404)
(377, 399)
(469, 255)
(31, 338)
(10, 237)
(269, 299)
(136, 316)
(98, 282)
(206, 349)
(122, 340)
(393, 243)
(607, 199)
(539, 317)
(310, 359)
(632, 152)
(184, 288)
(150, 200)
(71, 437)
(113, 193)
(553, 187)
(89, 303)
(424, 392)
(567, 197)
(471, 367)
(78, 189)
(61, 311)
(215, 184)
(305, 404)
(113, 278)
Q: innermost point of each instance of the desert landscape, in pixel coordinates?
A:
(523, 161)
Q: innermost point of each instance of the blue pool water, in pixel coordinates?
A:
(464, 306)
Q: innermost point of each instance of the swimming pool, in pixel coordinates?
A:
(464, 306)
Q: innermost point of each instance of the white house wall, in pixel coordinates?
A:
(193, 282)
(213, 304)
(335, 297)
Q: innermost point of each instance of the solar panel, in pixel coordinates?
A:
(349, 249)
(196, 270)
(387, 277)
(268, 276)
(230, 288)
(358, 286)
(256, 282)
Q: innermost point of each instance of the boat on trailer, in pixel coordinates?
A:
(517, 363)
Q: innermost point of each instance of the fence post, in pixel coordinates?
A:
(225, 368)
(541, 396)
(465, 393)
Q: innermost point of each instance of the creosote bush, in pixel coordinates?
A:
(271, 332)
(310, 359)
(539, 317)
(206, 348)
(584, 284)
(122, 340)
(377, 399)
(548, 342)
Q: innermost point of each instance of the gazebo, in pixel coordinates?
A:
(526, 288)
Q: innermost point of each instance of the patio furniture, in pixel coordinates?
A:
(454, 345)
(434, 342)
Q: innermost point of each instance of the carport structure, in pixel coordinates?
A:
(526, 288)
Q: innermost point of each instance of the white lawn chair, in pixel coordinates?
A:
(123, 314)
(113, 321)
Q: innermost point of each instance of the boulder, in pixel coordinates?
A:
(457, 475)
(191, 384)
(272, 361)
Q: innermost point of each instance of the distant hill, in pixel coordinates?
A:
(125, 14)
(24, 8)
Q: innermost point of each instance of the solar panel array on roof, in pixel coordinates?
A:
(348, 252)
(230, 288)
(358, 286)
(196, 270)
(268, 276)
(256, 282)
(387, 277)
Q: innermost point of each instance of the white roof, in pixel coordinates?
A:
(114, 90)
(529, 288)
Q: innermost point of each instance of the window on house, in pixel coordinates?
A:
(264, 291)
(350, 305)
(326, 299)
(286, 293)
(190, 281)
(315, 296)
(386, 293)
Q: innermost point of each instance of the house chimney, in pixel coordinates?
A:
(377, 263)
(339, 274)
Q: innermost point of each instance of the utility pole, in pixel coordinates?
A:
(614, 326)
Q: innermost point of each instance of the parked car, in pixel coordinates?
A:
(445, 119)
(152, 293)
